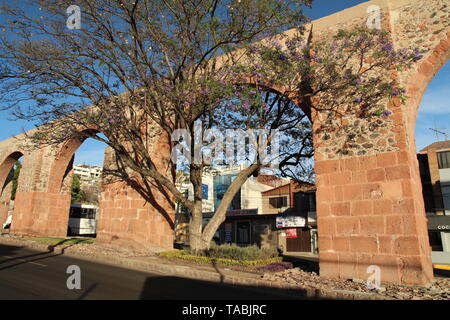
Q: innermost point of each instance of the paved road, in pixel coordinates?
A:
(31, 274)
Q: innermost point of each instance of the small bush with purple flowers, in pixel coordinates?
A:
(277, 267)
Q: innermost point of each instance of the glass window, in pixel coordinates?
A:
(278, 202)
(444, 159)
(221, 184)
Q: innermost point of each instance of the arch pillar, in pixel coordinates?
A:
(37, 210)
(370, 208)
(371, 212)
(129, 216)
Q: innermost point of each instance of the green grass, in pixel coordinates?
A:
(62, 241)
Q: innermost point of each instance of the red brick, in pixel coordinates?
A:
(326, 226)
(398, 172)
(327, 166)
(375, 175)
(403, 206)
(323, 209)
(325, 193)
(386, 159)
(392, 190)
(353, 192)
(372, 225)
(325, 243)
(362, 244)
(347, 265)
(385, 244)
(340, 208)
(359, 177)
(382, 206)
(328, 264)
(338, 192)
(347, 226)
(361, 208)
(351, 164)
(372, 191)
(406, 245)
(394, 225)
(368, 162)
(341, 243)
(407, 189)
(340, 178)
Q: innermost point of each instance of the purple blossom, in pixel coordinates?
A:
(385, 114)
(246, 106)
(358, 99)
(395, 92)
(282, 57)
(253, 50)
(387, 47)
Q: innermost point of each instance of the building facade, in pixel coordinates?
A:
(434, 164)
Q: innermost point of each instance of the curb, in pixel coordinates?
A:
(284, 289)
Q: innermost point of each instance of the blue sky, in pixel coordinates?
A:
(434, 110)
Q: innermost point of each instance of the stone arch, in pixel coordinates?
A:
(6, 165)
(6, 175)
(62, 163)
(419, 82)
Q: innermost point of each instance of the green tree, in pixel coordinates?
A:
(17, 167)
(140, 70)
(162, 53)
(76, 188)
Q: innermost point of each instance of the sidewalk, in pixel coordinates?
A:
(163, 266)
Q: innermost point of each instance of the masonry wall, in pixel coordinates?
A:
(137, 217)
(369, 197)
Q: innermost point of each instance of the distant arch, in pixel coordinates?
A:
(5, 167)
(62, 164)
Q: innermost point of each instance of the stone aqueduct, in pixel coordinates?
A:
(369, 202)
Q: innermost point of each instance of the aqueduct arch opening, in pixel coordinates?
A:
(7, 167)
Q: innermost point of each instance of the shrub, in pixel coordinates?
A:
(185, 255)
(234, 252)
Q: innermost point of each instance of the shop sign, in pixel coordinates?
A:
(291, 233)
(290, 222)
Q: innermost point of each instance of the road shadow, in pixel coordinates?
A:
(6, 250)
(177, 288)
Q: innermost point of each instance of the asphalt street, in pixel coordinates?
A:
(31, 274)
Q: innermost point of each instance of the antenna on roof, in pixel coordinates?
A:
(438, 132)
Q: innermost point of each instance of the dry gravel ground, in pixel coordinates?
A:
(440, 290)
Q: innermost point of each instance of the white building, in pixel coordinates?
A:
(88, 172)
(215, 183)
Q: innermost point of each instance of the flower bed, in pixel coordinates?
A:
(185, 255)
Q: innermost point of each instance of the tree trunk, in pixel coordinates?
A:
(219, 215)
(196, 243)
